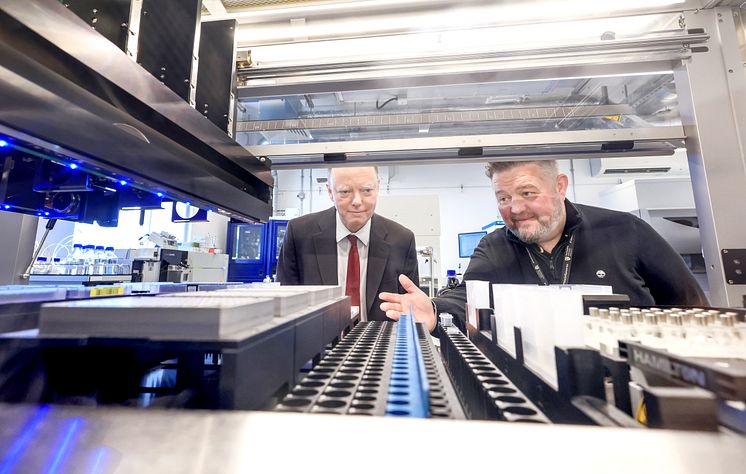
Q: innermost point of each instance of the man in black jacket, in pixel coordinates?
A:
(327, 247)
(548, 240)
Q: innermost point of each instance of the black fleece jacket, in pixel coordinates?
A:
(611, 248)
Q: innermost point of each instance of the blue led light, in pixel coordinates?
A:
(73, 166)
(122, 182)
(46, 213)
(160, 195)
(99, 461)
(22, 440)
(63, 449)
(188, 203)
(6, 206)
(3, 143)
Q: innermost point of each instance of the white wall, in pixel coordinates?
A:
(465, 197)
(421, 215)
(289, 184)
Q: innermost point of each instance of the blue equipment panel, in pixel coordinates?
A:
(247, 252)
(277, 229)
(254, 250)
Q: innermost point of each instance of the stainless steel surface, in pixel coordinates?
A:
(429, 15)
(544, 70)
(472, 48)
(21, 231)
(134, 28)
(55, 71)
(56, 439)
(214, 7)
(670, 45)
(528, 152)
(239, 5)
(712, 93)
(544, 139)
(428, 252)
(721, 3)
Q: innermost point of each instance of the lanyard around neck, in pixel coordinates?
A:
(566, 264)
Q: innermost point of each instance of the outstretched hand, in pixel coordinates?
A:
(394, 305)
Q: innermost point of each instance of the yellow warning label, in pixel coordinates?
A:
(107, 291)
(642, 412)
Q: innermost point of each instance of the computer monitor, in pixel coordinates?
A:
(467, 242)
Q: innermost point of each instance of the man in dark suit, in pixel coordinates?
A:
(349, 245)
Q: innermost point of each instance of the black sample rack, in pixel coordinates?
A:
(354, 377)
(484, 390)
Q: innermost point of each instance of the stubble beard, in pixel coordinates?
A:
(545, 230)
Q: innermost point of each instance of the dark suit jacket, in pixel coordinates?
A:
(309, 256)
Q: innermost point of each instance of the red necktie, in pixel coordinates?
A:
(352, 288)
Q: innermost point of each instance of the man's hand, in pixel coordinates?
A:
(394, 305)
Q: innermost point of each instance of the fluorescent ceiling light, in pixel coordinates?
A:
(469, 41)
(257, 15)
(450, 18)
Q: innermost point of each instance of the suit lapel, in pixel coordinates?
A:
(378, 255)
(326, 248)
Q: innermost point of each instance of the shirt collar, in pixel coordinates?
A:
(342, 232)
(574, 217)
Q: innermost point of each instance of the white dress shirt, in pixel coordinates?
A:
(343, 250)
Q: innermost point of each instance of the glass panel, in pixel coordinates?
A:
(280, 239)
(248, 242)
(588, 103)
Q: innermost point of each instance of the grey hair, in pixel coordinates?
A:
(550, 167)
(329, 173)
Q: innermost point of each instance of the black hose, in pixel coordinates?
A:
(379, 107)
